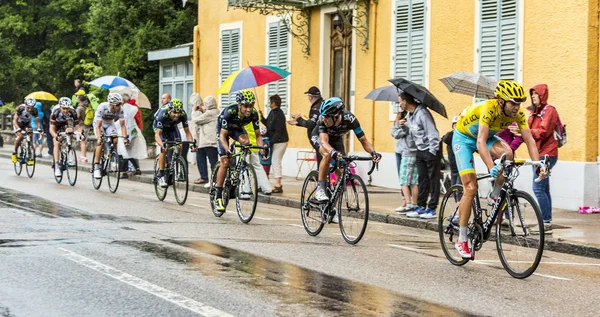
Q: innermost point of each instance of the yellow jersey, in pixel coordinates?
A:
(489, 114)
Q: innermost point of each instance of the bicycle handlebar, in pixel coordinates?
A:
(250, 147)
(352, 158)
(178, 142)
(503, 162)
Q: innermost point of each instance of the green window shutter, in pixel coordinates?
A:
(409, 55)
(498, 44)
(230, 60)
(278, 53)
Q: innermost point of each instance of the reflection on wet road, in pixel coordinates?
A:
(295, 285)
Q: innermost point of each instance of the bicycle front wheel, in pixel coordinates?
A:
(96, 181)
(113, 172)
(448, 224)
(212, 192)
(71, 166)
(19, 163)
(520, 244)
(161, 192)
(180, 180)
(30, 167)
(247, 192)
(310, 214)
(353, 209)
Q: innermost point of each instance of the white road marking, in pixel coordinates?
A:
(295, 225)
(146, 286)
(551, 263)
(553, 277)
(491, 263)
(194, 205)
(404, 248)
(274, 219)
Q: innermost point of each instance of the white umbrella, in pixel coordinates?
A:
(470, 84)
(136, 94)
(108, 82)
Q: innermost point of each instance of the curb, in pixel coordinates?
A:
(550, 244)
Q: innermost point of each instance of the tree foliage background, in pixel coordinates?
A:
(46, 44)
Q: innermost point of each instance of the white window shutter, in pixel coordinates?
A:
(230, 60)
(498, 39)
(278, 38)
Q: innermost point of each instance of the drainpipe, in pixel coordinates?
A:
(374, 77)
(374, 72)
(196, 59)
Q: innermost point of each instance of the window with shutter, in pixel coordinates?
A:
(498, 40)
(278, 55)
(409, 43)
(230, 60)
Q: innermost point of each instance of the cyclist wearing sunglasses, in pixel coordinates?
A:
(165, 129)
(476, 132)
(327, 138)
(230, 124)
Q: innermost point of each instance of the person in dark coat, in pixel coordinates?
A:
(315, 99)
(278, 138)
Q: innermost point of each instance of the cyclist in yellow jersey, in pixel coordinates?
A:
(476, 132)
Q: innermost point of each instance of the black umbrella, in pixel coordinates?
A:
(420, 93)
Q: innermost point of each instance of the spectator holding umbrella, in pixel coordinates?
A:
(278, 138)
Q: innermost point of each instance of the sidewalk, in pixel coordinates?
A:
(573, 233)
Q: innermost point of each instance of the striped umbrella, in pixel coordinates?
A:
(470, 84)
(252, 76)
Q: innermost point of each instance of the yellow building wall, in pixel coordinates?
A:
(560, 48)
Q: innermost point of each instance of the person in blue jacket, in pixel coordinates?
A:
(37, 137)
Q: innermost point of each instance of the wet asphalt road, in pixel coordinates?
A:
(75, 251)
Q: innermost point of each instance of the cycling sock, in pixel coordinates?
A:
(219, 192)
(496, 191)
(462, 234)
(322, 184)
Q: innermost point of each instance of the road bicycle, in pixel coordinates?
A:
(348, 198)
(68, 158)
(26, 155)
(519, 238)
(176, 173)
(110, 163)
(240, 184)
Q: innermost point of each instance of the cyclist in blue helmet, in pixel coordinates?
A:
(327, 138)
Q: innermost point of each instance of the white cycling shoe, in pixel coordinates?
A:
(321, 196)
(97, 174)
(162, 182)
(57, 172)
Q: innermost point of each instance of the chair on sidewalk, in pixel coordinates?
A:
(308, 157)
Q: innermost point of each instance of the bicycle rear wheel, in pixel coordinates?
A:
(310, 214)
(20, 157)
(247, 192)
(353, 209)
(180, 180)
(520, 244)
(113, 172)
(30, 159)
(161, 192)
(97, 182)
(71, 166)
(448, 224)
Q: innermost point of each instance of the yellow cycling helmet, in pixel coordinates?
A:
(510, 91)
(245, 97)
(177, 105)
